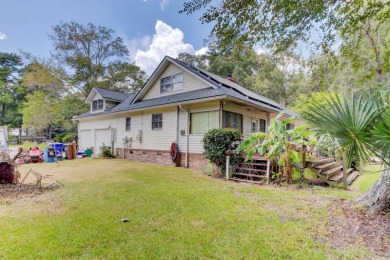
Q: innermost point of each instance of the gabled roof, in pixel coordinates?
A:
(218, 87)
(110, 94)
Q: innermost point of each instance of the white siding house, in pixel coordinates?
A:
(178, 104)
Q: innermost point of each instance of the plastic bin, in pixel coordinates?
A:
(88, 152)
(58, 149)
(49, 154)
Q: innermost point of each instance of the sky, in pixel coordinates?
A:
(150, 29)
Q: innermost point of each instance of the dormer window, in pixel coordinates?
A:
(171, 83)
(97, 105)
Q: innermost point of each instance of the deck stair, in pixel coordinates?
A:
(254, 171)
(331, 171)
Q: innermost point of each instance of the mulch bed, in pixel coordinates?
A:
(349, 226)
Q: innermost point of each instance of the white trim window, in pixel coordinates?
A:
(128, 123)
(202, 122)
(171, 83)
(232, 120)
(97, 105)
(157, 121)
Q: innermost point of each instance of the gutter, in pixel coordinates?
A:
(214, 98)
(187, 135)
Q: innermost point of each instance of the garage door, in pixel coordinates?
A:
(103, 138)
(85, 139)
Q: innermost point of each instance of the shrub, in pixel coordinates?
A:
(106, 152)
(218, 143)
(59, 137)
(69, 137)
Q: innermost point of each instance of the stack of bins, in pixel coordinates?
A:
(58, 149)
(49, 154)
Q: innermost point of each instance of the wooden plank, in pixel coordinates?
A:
(322, 161)
(247, 181)
(339, 176)
(352, 177)
(250, 163)
(249, 175)
(251, 169)
(326, 166)
(332, 170)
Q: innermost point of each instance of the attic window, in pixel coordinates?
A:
(171, 83)
(97, 105)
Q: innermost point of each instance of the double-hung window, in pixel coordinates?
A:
(156, 121)
(97, 105)
(171, 83)
(232, 120)
(128, 123)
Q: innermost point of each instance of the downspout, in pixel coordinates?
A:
(187, 135)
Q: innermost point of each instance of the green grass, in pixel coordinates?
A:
(173, 212)
(368, 178)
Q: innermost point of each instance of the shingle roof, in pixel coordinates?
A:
(223, 88)
(113, 95)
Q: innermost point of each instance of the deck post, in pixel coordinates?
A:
(345, 175)
(268, 170)
(227, 167)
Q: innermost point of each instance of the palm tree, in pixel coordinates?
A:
(360, 126)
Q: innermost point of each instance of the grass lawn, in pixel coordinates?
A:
(173, 212)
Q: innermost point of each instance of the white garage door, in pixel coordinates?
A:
(103, 138)
(85, 139)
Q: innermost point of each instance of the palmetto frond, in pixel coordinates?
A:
(350, 122)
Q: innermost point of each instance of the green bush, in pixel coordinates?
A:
(106, 152)
(59, 137)
(69, 137)
(218, 143)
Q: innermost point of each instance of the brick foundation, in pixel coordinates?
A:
(195, 161)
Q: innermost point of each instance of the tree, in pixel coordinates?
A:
(281, 24)
(9, 68)
(39, 112)
(361, 129)
(279, 144)
(199, 61)
(94, 56)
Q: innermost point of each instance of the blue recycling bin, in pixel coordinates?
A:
(49, 154)
(58, 148)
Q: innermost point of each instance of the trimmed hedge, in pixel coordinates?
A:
(218, 143)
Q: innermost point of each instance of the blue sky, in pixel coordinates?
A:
(150, 28)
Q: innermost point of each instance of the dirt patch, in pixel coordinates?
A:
(10, 193)
(348, 226)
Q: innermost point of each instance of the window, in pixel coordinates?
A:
(290, 126)
(232, 120)
(203, 121)
(156, 121)
(171, 83)
(128, 123)
(263, 126)
(97, 104)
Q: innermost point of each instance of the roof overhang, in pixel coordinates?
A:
(108, 115)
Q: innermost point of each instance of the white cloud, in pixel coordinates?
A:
(202, 51)
(164, 3)
(166, 41)
(3, 36)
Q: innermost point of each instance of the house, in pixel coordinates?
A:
(179, 103)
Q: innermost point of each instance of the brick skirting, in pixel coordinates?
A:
(195, 161)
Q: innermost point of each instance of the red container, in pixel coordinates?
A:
(6, 173)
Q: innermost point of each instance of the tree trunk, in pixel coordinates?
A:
(377, 199)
